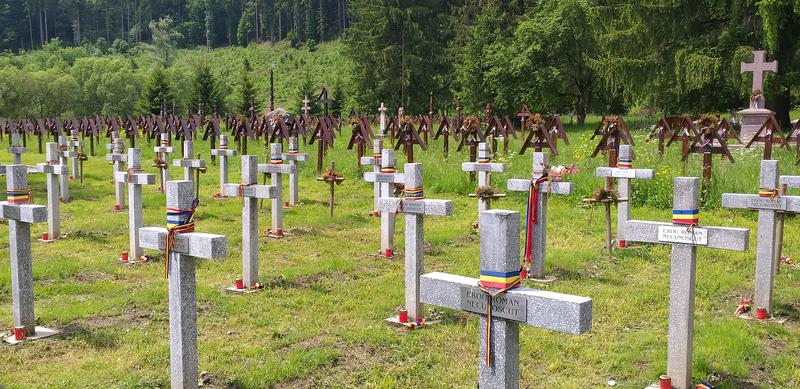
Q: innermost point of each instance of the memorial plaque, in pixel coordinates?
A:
(180, 246)
(248, 191)
(385, 178)
(683, 234)
(413, 206)
(623, 173)
(504, 306)
(777, 203)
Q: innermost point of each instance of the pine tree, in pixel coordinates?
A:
(205, 93)
(156, 93)
(247, 93)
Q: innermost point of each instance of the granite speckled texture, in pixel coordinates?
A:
(294, 177)
(624, 187)
(384, 182)
(223, 152)
(163, 154)
(52, 169)
(375, 162)
(484, 171)
(118, 158)
(189, 163)
(135, 181)
(16, 148)
(63, 180)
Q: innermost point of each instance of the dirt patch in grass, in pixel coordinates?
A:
(129, 318)
(352, 358)
(91, 236)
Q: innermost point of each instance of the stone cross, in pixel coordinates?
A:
(75, 146)
(118, 158)
(294, 156)
(52, 169)
(758, 67)
(685, 235)
(786, 182)
(135, 178)
(20, 215)
(17, 149)
(484, 167)
(499, 332)
(306, 107)
(382, 111)
(191, 167)
(385, 179)
(415, 207)
(62, 160)
(276, 168)
(536, 223)
(250, 192)
(375, 162)
(223, 153)
(163, 150)
(769, 202)
(624, 173)
(186, 247)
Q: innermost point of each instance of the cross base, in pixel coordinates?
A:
(119, 209)
(545, 280)
(375, 214)
(234, 290)
(394, 321)
(278, 234)
(46, 239)
(41, 333)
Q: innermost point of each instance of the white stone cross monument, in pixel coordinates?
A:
(415, 207)
(250, 192)
(484, 167)
(624, 173)
(276, 168)
(62, 160)
(759, 67)
(135, 177)
(756, 114)
(386, 178)
(190, 164)
(382, 111)
(16, 149)
(375, 162)
(20, 214)
(75, 146)
(685, 234)
(163, 150)
(118, 158)
(294, 156)
(52, 169)
(223, 153)
(184, 246)
(509, 306)
(538, 188)
(769, 202)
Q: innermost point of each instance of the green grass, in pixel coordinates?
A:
(322, 324)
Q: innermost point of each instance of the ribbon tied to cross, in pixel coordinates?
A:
(179, 221)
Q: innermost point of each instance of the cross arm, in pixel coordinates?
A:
(791, 181)
(640, 174)
(278, 168)
(737, 239)
(252, 191)
(26, 213)
(224, 152)
(117, 157)
(193, 244)
(483, 167)
(385, 178)
(295, 157)
(756, 202)
(164, 149)
(416, 207)
(552, 187)
(136, 178)
(549, 310)
(51, 169)
(190, 163)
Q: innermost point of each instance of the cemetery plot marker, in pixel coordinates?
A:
(276, 169)
(191, 167)
(766, 135)
(163, 150)
(17, 149)
(118, 159)
(756, 114)
(294, 156)
(62, 160)
(484, 167)
(708, 142)
(385, 180)
(685, 234)
(75, 146)
(375, 161)
(223, 153)
(501, 304)
(52, 169)
(332, 178)
(135, 177)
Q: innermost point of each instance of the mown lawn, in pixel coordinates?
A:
(320, 322)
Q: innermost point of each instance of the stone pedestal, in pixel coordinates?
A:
(752, 120)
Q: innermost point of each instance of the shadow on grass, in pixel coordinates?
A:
(98, 338)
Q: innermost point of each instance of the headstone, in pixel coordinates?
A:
(163, 150)
(52, 168)
(62, 160)
(276, 168)
(539, 187)
(17, 149)
(507, 306)
(484, 167)
(223, 153)
(624, 173)
(135, 177)
(294, 156)
(192, 167)
(385, 179)
(249, 191)
(375, 162)
(75, 146)
(770, 203)
(685, 234)
(20, 214)
(118, 158)
(415, 207)
(756, 114)
(184, 246)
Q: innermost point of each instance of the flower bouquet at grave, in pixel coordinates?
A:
(557, 173)
(486, 192)
(756, 96)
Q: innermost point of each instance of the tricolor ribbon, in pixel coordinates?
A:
(625, 163)
(414, 194)
(388, 169)
(771, 193)
(485, 160)
(686, 216)
(493, 284)
(531, 218)
(179, 221)
(19, 196)
(276, 160)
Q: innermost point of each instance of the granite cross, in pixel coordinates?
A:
(484, 167)
(63, 184)
(192, 167)
(294, 156)
(624, 173)
(276, 168)
(75, 146)
(786, 182)
(306, 107)
(20, 214)
(375, 162)
(770, 203)
(538, 187)
(250, 192)
(118, 158)
(685, 235)
(184, 246)
(135, 178)
(415, 207)
(17, 149)
(758, 67)
(385, 179)
(52, 169)
(509, 306)
(223, 153)
(382, 111)
(163, 150)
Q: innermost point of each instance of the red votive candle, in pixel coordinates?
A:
(761, 314)
(403, 316)
(19, 333)
(239, 284)
(665, 382)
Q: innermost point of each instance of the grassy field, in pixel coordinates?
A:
(320, 321)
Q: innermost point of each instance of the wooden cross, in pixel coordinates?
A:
(385, 178)
(524, 116)
(184, 248)
(52, 168)
(539, 137)
(662, 131)
(323, 134)
(500, 129)
(470, 131)
(192, 167)
(445, 131)
(361, 135)
(332, 178)
(685, 234)
(501, 305)
(408, 137)
(484, 168)
(704, 143)
(415, 207)
(613, 132)
(794, 136)
(223, 152)
(766, 135)
(539, 187)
